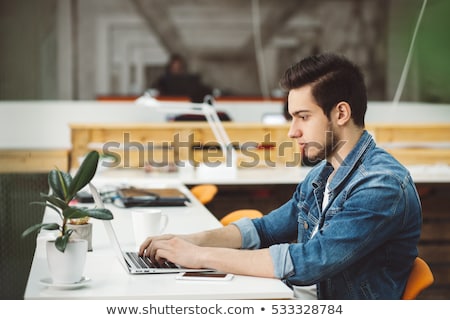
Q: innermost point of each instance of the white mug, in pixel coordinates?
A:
(148, 222)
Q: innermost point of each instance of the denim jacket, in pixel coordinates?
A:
(365, 239)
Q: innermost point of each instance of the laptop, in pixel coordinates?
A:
(130, 260)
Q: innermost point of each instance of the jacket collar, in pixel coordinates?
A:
(355, 156)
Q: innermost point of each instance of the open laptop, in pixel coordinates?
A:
(130, 260)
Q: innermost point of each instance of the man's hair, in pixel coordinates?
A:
(333, 79)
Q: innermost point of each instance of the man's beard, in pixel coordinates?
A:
(319, 152)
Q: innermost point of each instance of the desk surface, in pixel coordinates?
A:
(110, 281)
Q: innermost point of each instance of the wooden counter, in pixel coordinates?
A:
(35, 161)
(414, 144)
(138, 143)
(257, 144)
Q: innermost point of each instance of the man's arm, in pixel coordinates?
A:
(244, 262)
(226, 237)
(216, 249)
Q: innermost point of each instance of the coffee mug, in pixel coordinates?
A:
(148, 222)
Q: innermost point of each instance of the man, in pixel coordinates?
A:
(178, 81)
(352, 225)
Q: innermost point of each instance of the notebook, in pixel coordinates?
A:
(130, 260)
(147, 197)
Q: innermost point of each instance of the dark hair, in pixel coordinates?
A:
(333, 78)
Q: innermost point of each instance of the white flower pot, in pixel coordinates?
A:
(82, 231)
(67, 267)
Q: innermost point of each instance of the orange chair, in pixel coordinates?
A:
(419, 279)
(204, 192)
(238, 214)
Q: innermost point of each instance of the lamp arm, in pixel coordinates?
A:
(219, 132)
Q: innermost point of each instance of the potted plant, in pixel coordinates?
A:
(64, 188)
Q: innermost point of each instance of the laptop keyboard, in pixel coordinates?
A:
(145, 262)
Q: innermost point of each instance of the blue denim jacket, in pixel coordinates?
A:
(367, 234)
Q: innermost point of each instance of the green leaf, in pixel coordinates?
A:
(59, 182)
(78, 212)
(46, 226)
(85, 173)
(100, 213)
(51, 206)
(74, 213)
(61, 241)
(40, 203)
(54, 200)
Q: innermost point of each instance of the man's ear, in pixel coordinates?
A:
(343, 113)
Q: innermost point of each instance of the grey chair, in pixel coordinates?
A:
(16, 214)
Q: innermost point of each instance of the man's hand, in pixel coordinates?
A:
(172, 248)
(176, 250)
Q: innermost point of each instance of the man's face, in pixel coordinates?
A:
(310, 127)
(177, 67)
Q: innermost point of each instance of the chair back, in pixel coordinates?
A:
(205, 193)
(238, 214)
(419, 279)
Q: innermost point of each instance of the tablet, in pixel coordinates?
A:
(148, 197)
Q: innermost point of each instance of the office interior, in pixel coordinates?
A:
(71, 70)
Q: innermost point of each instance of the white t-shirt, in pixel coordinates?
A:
(310, 292)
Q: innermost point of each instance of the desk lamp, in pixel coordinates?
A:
(206, 109)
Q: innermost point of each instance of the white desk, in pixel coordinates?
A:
(110, 281)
